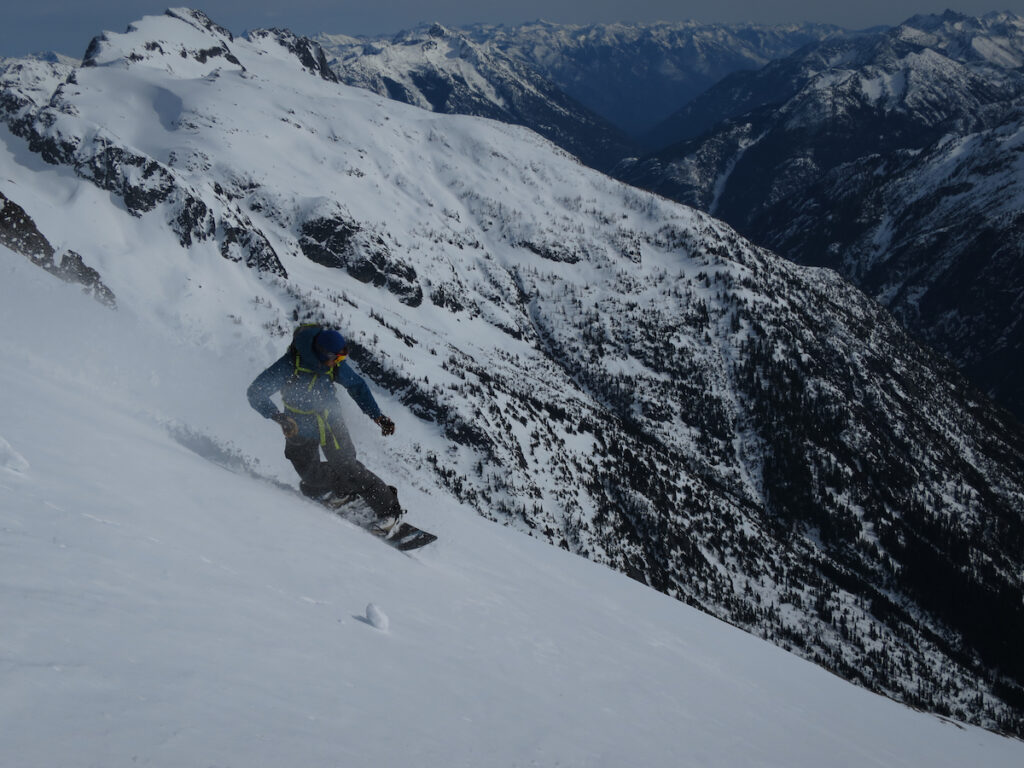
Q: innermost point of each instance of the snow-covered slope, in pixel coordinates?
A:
(621, 376)
(163, 611)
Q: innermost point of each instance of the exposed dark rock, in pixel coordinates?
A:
(199, 19)
(342, 244)
(19, 233)
(248, 244)
(310, 54)
(552, 251)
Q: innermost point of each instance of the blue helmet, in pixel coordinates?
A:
(329, 345)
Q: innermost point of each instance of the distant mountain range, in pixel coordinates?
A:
(445, 71)
(612, 372)
(636, 75)
(597, 90)
(892, 157)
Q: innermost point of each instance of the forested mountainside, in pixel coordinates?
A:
(892, 157)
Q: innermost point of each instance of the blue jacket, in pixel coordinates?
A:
(307, 387)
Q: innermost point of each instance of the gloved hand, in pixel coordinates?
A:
(288, 425)
(387, 426)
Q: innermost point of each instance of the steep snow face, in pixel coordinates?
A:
(160, 610)
(621, 376)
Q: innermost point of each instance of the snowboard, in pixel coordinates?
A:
(404, 536)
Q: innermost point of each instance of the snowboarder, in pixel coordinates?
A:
(311, 422)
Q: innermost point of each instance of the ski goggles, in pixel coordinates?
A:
(337, 357)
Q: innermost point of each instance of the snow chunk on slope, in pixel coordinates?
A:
(375, 617)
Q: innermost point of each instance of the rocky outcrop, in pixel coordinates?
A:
(340, 243)
(19, 233)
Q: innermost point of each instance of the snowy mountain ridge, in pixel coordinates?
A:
(621, 376)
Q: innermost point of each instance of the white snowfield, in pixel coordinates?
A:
(159, 610)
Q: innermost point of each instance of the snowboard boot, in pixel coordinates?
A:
(389, 519)
(336, 501)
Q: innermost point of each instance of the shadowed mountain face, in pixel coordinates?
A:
(893, 158)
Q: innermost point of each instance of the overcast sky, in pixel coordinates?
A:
(67, 26)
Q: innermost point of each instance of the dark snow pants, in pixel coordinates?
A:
(339, 470)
